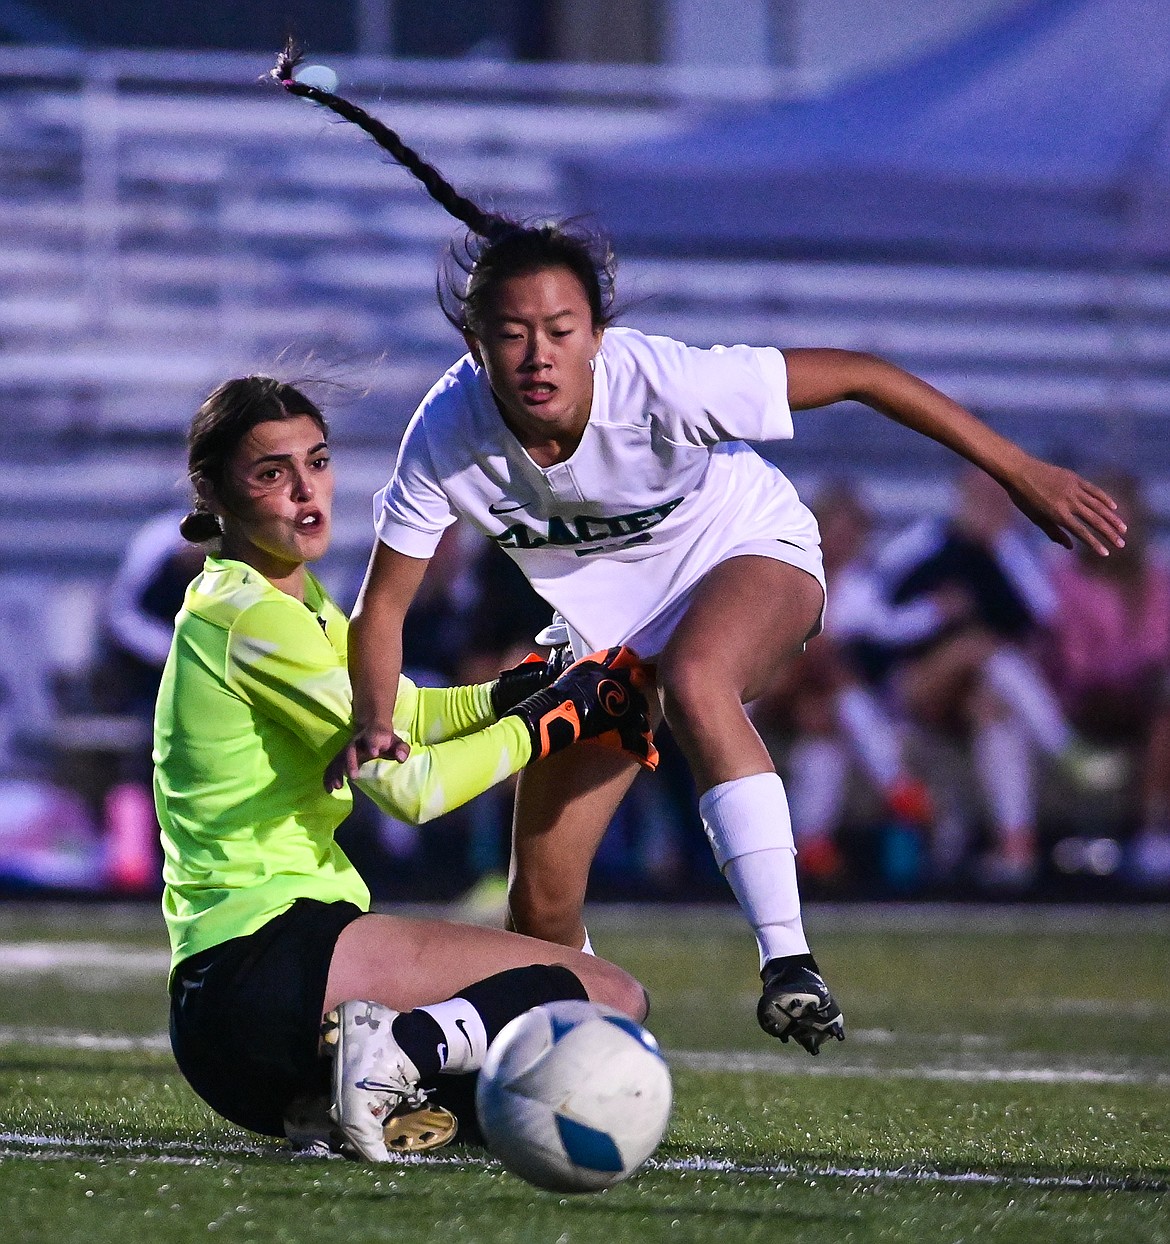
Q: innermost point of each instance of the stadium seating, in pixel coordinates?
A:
(171, 222)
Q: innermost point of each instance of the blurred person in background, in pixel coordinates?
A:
(135, 629)
(435, 636)
(835, 716)
(1108, 651)
(138, 617)
(984, 595)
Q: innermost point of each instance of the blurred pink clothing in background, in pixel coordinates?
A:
(1108, 635)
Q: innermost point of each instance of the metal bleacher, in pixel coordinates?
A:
(170, 221)
(1074, 364)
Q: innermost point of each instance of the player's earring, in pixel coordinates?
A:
(592, 364)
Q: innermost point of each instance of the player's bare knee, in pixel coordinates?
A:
(692, 698)
(617, 988)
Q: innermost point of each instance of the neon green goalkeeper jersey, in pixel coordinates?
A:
(254, 702)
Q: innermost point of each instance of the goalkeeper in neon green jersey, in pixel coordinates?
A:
(273, 943)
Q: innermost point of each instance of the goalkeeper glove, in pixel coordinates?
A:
(532, 674)
(594, 698)
(634, 735)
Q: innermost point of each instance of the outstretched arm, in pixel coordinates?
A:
(437, 778)
(1058, 501)
(596, 698)
(375, 660)
(440, 713)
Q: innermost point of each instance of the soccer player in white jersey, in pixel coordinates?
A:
(612, 467)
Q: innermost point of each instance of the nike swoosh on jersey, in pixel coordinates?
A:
(460, 1025)
(503, 509)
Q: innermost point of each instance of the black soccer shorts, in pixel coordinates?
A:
(246, 1015)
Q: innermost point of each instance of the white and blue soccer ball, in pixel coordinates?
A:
(573, 1096)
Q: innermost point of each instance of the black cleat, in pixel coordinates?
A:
(797, 1004)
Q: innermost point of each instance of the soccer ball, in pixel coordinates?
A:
(573, 1096)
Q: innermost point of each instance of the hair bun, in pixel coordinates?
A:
(200, 526)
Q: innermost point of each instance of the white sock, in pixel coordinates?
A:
(1022, 688)
(750, 832)
(464, 1036)
(818, 771)
(1004, 769)
(587, 946)
(873, 735)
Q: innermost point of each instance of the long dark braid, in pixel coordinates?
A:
(496, 247)
(487, 225)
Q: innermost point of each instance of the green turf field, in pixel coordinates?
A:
(1006, 1076)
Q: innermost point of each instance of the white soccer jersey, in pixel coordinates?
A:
(660, 489)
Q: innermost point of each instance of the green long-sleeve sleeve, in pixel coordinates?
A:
(441, 713)
(466, 758)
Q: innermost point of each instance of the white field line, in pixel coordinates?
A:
(906, 1174)
(1003, 1069)
(1149, 919)
(31, 1145)
(55, 1148)
(68, 1039)
(45, 958)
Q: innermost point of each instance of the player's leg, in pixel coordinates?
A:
(947, 686)
(1015, 677)
(405, 962)
(1002, 757)
(876, 739)
(1148, 863)
(747, 616)
(564, 805)
(934, 685)
(408, 1000)
(817, 763)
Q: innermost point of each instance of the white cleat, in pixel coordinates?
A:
(372, 1076)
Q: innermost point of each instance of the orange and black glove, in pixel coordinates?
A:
(533, 674)
(595, 698)
(635, 734)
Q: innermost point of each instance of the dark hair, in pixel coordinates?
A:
(473, 269)
(495, 247)
(226, 416)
